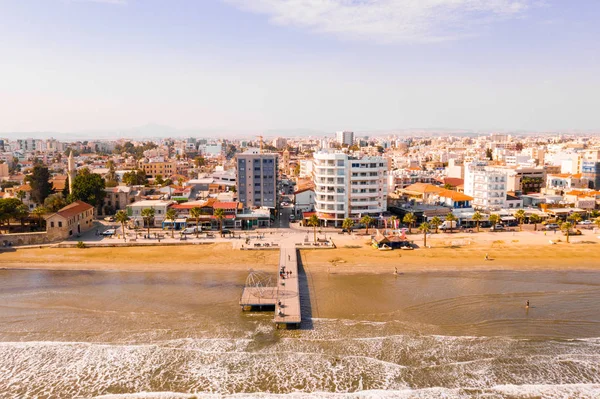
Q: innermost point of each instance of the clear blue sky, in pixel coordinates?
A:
(70, 65)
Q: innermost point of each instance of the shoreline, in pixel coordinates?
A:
(355, 259)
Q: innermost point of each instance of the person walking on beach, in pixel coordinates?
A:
(527, 305)
(487, 257)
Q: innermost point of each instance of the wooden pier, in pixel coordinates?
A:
(285, 297)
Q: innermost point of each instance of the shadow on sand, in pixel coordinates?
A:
(304, 289)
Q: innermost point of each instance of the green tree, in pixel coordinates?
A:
(409, 219)
(199, 161)
(347, 224)
(55, 202)
(159, 180)
(313, 221)
(535, 219)
(122, 217)
(452, 219)
(436, 222)
(148, 216)
(520, 215)
(39, 180)
(21, 213)
(566, 228)
(597, 221)
(88, 187)
(575, 218)
(195, 212)
(494, 219)
(477, 217)
(489, 154)
(135, 178)
(9, 209)
(220, 215)
(171, 215)
(424, 228)
(21, 195)
(40, 211)
(367, 221)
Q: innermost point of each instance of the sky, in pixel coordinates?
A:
(327, 65)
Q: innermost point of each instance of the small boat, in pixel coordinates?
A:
(385, 247)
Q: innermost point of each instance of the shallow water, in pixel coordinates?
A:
(422, 335)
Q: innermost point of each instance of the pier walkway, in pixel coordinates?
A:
(287, 307)
(285, 297)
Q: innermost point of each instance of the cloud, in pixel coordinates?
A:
(389, 21)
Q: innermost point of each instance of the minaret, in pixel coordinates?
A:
(71, 171)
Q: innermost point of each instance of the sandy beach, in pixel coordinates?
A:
(507, 251)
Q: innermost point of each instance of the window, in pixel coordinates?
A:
(59, 224)
(51, 224)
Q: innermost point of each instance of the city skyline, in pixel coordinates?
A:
(90, 66)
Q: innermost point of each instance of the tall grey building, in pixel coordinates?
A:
(345, 137)
(257, 179)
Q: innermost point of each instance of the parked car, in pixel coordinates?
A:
(551, 226)
(109, 219)
(498, 227)
(190, 230)
(292, 218)
(587, 223)
(109, 232)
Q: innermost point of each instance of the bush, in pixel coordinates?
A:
(80, 244)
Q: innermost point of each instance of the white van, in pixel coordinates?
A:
(190, 230)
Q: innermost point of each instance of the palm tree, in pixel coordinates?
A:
(314, 222)
(409, 219)
(436, 222)
(451, 218)
(40, 211)
(575, 218)
(566, 228)
(195, 212)
(219, 213)
(148, 215)
(520, 215)
(535, 219)
(494, 219)
(367, 221)
(477, 217)
(347, 224)
(597, 221)
(122, 217)
(171, 215)
(424, 228)
(21, 213)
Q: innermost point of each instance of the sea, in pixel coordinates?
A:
(88, 334)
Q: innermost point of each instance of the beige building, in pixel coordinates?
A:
(164, 168)
(72, 220)
(4, 171)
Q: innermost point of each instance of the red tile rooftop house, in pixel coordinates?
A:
(71, 221)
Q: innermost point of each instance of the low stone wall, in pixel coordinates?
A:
(24, 239)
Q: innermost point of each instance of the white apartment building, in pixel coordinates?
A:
(345, 137)
(486, 185)
(349, 187)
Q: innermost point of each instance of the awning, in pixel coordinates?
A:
(507, 218)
